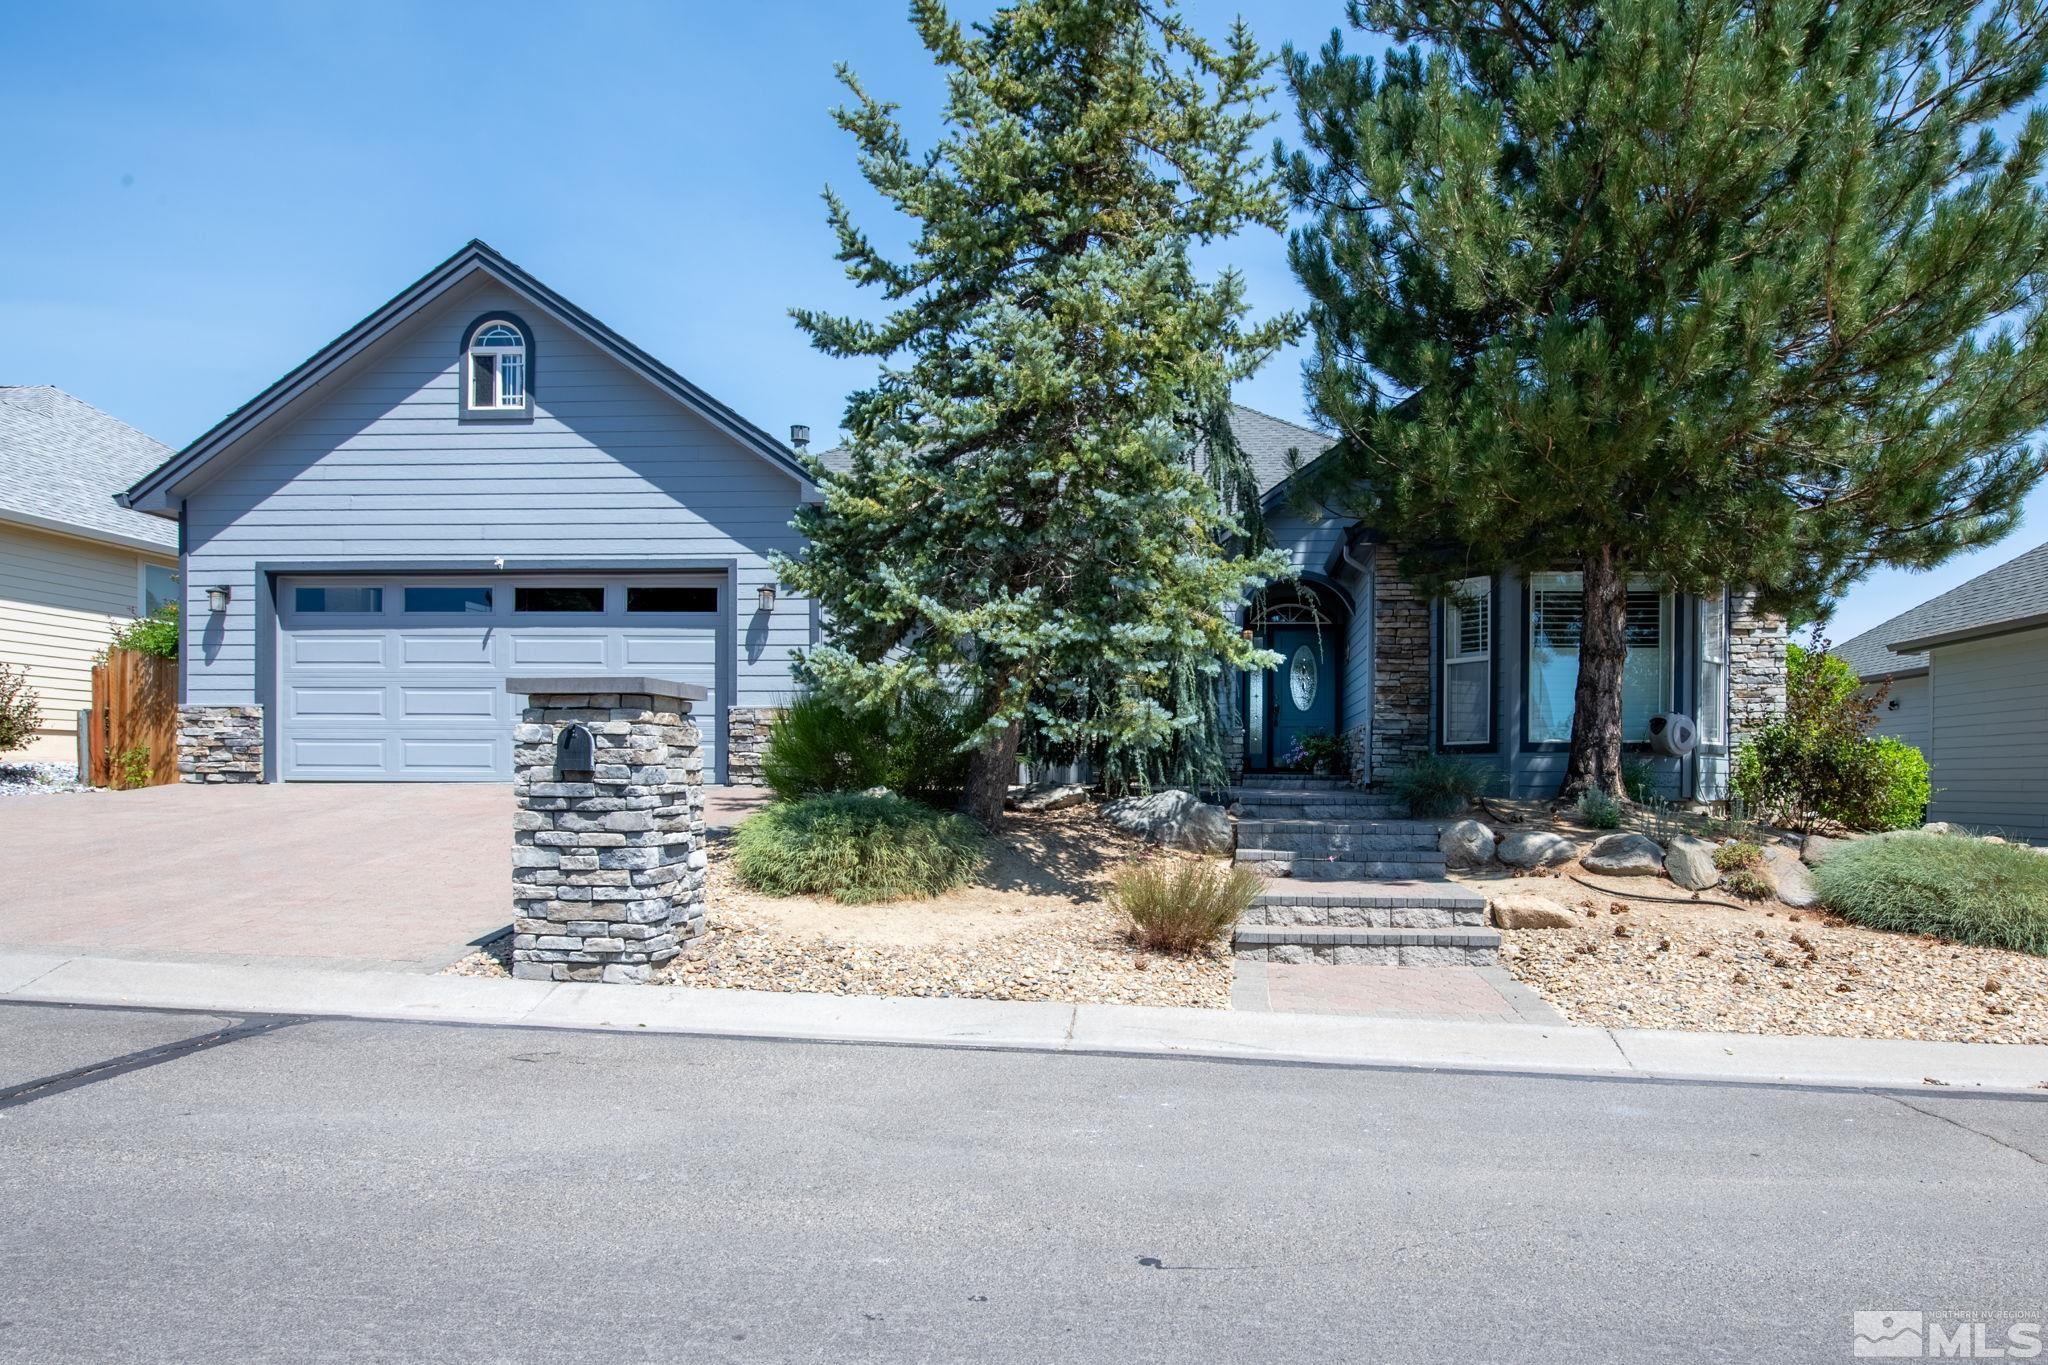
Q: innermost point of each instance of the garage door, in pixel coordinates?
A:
(402, 679)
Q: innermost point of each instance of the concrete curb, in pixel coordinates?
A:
(1117, 1029)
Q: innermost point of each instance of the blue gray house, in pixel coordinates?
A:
(481, 479)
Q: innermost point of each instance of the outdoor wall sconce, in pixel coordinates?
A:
(766, 598)
(217, 598)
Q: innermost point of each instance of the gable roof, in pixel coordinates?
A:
(150, 493)
(1264, 438)
(2013, 596)
(62, 461)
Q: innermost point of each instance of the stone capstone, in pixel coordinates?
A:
(1466, 844)
(1624, 855)
(1523, 911)
(608, 868)
(1690, 863)
(1173, 819)
(1795, 885)
(218, 744)
(1535, 848)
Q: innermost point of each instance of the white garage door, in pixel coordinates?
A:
(396, 679)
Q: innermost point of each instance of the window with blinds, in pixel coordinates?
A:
(1556, 621)
(1713, 703)
(1466, 685)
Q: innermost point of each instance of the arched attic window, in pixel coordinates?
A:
(497, 369)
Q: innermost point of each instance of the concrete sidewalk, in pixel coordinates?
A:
(1123, 1029)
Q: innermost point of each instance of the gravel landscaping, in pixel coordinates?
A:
(1034, 926)
(39, 779)
(1633, 963)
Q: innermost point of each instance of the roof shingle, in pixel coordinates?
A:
(2016, 591)
(62, 460)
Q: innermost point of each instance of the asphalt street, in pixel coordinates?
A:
(327, 1190)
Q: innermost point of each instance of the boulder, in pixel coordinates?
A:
(1466, 844)
(1818, 848)
(1793, 882)
(1624, 855)
(1536, 848)
(1055, 797)
(1690, 863)
(1944, 827)
(1523, 911)
(1174, 819)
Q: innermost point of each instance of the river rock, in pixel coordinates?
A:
(1624, 855)
(1520, 910)
(1466, 844)
(1794, 883)
(1173, 819)
(1690, 863)
(1536, 848)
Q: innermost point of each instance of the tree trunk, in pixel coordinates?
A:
(1596, 704)
(990, 771)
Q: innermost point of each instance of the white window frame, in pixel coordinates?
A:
(1451, 653)
(1712, 719)
(142, 568)
(504, 356)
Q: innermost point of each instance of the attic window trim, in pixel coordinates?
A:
(497, 354)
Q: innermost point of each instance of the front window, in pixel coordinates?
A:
(497, 368)
(1466, 685)
(1713, 707)
(1556, 618)
(159, 588)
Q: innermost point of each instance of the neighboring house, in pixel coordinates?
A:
(481, 480)
(72, 564)
(1969, 672)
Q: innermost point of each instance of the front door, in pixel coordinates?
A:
(1302, 691)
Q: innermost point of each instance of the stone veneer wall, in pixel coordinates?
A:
(608, 874)
(746, 740)
(1756, 667)
(1400, 666)
(220, 744)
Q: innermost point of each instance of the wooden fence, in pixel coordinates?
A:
(134, 723)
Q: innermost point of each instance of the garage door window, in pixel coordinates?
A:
(558, 599)
(359, 600)
(449, 601)
(672, 599)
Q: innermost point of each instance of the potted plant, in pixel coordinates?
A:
(1317, 751)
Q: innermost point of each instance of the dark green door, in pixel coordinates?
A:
(1303, 689)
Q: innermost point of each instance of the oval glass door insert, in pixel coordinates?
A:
(1301, 678)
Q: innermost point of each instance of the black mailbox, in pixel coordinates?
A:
(575, 753)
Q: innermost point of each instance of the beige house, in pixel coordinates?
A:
(73, 563)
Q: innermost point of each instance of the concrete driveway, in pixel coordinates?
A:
(374, 875)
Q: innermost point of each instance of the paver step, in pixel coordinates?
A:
(1261, 810)
(1309, 836)
(1447, 947)
(1367, 916)
(1278, 862)
(1325, 796)
(1295, 782)
(1419, 891)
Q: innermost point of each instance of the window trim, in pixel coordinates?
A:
(464, 372)
(1440, 629)
(142, 568)
(1668, 602)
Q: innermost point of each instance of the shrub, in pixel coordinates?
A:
(1432, 785)
(856, 849)
(1181, 906)
(1599, 810)
(21, 709)
(1737, 853)
(1960, 889)
(822, 744)
(1820, 763)
(132, 768)
(1639, 778)
(155, 634)
(1750, 884)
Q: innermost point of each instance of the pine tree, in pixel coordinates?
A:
(1026, 518)
(1704, 291)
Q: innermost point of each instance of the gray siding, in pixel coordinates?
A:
(1904, 714)
(1990, 734)
(381, 469)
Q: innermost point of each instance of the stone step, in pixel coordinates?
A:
(1348, 947)
(1280, 862)
(1428, 891)
(1329, 796)
(1294, 781)
(1367, 916)
(1269, 810)
(1313, 836)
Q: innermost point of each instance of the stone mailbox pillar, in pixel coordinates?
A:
(608, 862)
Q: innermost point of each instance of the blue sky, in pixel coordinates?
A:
(200, 195)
